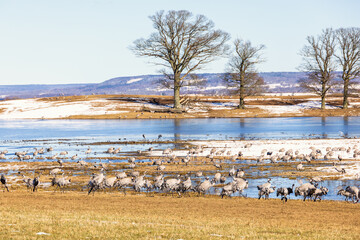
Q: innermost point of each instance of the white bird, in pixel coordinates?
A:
(160, 168)
(82, 163)
(199, 174)
(121, 175)
(232, 171)
(88, 151)
(55, 171)
(64, 153)
(300, 167)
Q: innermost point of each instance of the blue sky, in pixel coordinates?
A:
(86, 41)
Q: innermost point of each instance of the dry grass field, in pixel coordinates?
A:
(74, 215)
(156, 107)
(252, 110)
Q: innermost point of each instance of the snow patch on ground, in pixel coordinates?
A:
(253, 149)
(298, 108)
(257, 146)
(12, 167)
(274, 85)
(288, 94)
(216, 87)
(223, 105)
(279, 109)
(134, 80)
(32, 108)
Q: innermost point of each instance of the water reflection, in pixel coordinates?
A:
(177, 131)
(346, 126)
(323, 126)
(185, 129)
(242, 126)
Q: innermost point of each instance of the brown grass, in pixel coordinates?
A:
(114, 216)
(234, 113)
(136, 113)
(331, 112)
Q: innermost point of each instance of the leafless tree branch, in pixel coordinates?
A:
(319, 63)
(348, 57)
(183, 43)
(242, 73)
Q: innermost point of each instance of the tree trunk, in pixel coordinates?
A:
(242, 95)
(242, 103)
(323, 101)
(346, 89)
(323, 94)
(177, 104)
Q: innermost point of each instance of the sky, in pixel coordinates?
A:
(87, 41)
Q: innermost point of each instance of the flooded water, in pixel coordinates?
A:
(74, 135)
(184, 129)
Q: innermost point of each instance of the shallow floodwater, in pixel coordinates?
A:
(184, 129)
(73, 135)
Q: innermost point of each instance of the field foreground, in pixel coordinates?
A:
(74, 215)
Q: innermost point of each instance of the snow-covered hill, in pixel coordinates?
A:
(212, 84)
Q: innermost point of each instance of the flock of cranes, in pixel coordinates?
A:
(226, 185)
(184, 184)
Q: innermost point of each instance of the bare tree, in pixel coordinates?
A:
(242, 74)
(319, 63)
(348, 57)
(182, 43)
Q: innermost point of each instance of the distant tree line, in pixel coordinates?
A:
(183, 43)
